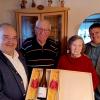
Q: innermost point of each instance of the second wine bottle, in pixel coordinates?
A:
(42, 90)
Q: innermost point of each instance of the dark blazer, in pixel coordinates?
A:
(11, 85)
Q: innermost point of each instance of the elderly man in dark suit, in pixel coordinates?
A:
(13, 74)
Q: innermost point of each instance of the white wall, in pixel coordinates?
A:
(79, 10)
(7, 8)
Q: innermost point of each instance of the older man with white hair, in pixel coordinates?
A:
(40, 50)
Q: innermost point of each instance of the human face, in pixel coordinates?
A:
(76, 48)
(8, 40)
(95, 35)
(42, 32)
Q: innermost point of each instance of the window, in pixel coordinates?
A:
(84, 27)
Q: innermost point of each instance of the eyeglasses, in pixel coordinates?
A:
(9, 38)
(43, 30)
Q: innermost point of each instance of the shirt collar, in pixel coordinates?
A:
(95, 45)
(16, 55)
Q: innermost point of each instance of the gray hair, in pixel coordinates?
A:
(38, 22)
(5, 24)
(74, 38)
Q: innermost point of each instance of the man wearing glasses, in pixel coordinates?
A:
(41, 51)
(13, 73)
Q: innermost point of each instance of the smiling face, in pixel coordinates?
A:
(42, 31)
(76, 48)
(95, 35)
(8, 39)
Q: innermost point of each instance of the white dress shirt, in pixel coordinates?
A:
(19, 67)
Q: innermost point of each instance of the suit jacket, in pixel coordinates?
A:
(11, 84)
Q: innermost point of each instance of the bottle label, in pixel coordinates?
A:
(42, 92)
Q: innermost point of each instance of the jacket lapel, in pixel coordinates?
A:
(14, 72)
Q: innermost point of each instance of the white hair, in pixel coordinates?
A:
(38, 23)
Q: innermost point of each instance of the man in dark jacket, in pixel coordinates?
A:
(13, 74)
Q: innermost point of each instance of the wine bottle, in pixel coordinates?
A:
(42, 90)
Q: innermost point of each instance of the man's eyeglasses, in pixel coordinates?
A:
(6, 37)
(43, 30)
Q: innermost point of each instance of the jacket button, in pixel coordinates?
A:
(16, 72)
(21, 82)
(24, 94)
